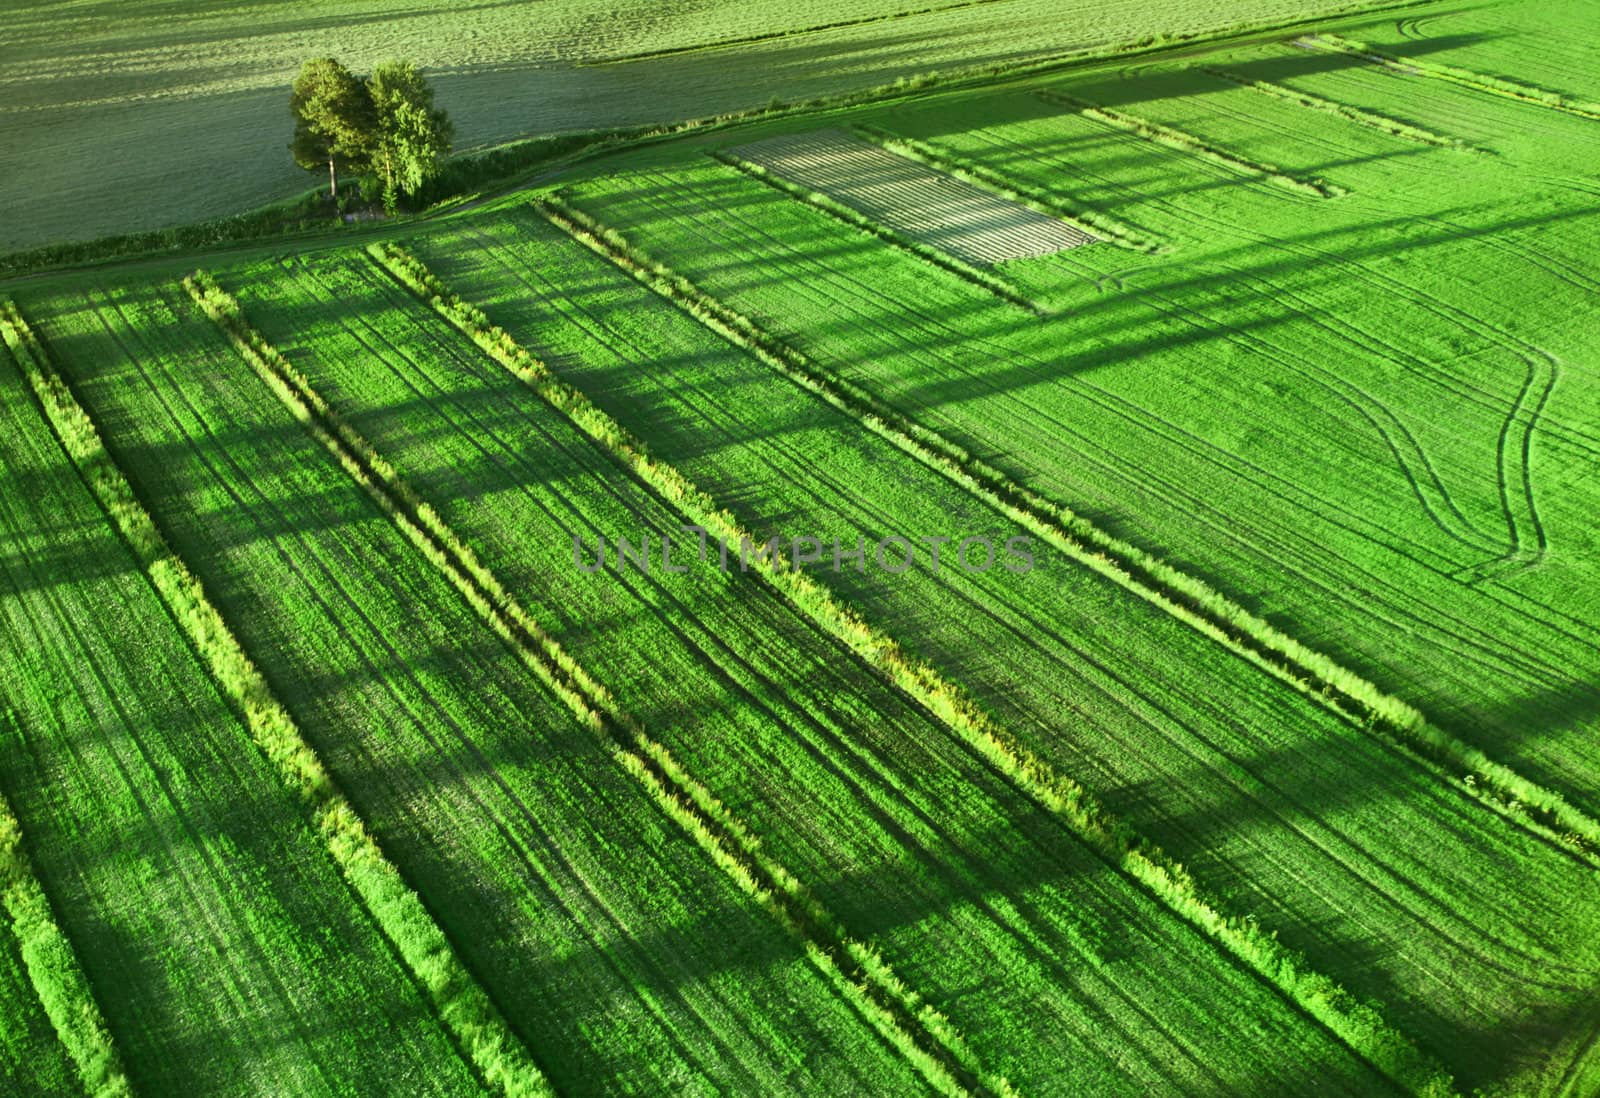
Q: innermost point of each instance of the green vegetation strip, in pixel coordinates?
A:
(53, 968)
(837, 210)
(923, 1035)
(1185, 596)
(1328, 106)
(466, 1010)
(1095, 224)
(1494, 85)
(1188, 143)
(1360, 1025)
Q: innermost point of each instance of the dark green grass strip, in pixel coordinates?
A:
(1494, 85)
(1360, 1025)
(1360, 117)
(1095, 224)
(1194, 146)
(1185, 596)
(466, 1010)
(53, 967)
(837, 210)
(918, 1031)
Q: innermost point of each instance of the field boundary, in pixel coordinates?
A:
(1360, 1025)
(1185, 596)
(1493, 85)
(53, 968)
(1097, 225)
(464, 1009)
(895, 1010)
(855, 219)
(1361, 117)
(1188, 143)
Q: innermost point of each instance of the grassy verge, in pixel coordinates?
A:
(1185, 596)
(1188, 143)
(1091, 222)
(53, 968)
(1360, 1025)
(465, 1009)
(977, 276)
(918, 1031)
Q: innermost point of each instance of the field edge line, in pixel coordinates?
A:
(461, 1005)
(1359, 1025)
(54, 971)
(1357, 115)
(1189, 598)
(730, 843)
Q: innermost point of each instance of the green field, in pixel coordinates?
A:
(393, 698)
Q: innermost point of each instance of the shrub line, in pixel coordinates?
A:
(1360, 117)
(837, 210)
(1097, 225)
(461, 1004)
(866, 981)
(1359, 1024)
(1185, 596)
(53, 968)
(1494, 85)
(1188, 143)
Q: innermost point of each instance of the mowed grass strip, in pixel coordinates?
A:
(609, 941)
(901, 833)
(1329, 835)
(167, 837)
(1357, 1023)
(924, 1037)
(55, 1038)
(952, 215)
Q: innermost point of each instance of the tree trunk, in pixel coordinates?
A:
(333, 181)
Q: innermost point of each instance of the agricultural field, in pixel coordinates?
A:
(1072, 575)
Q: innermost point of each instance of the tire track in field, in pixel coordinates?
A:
(1166, 719)
(740, 672)
(512, 838)
(1138, 418)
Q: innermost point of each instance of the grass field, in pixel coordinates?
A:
(389, 705)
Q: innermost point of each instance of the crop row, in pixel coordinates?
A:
(1185, 596)
(879, 994)
(1194, 146)
(1495, 85)
(979, 277)
(1356, 1023)
(459, 1000)
(1173, 730)
(1369, 119)
(1093, 222)
(892, 821)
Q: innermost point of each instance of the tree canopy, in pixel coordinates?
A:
(385, 125)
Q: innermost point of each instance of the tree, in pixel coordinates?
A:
(333, 119)
(409, 136)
